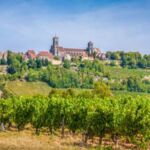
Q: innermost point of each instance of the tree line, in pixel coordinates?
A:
(76, 73)
(129, 59)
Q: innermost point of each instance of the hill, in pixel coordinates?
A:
(20, 88)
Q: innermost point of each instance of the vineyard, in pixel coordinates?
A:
(117, 118)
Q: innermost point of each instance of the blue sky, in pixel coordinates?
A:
(110, 24)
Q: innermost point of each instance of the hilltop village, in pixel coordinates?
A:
(57, 53)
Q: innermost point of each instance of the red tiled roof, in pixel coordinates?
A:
(70, 49)
(31, 51)
(31, 54)
(45, 54)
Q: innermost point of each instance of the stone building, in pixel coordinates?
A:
(90, 52)
(3, 55)
(62, 52)
(45, 55)
(31, 54)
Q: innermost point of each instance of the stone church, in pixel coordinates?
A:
(62, 52)
(65, 53)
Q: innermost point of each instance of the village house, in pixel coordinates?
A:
(45, 55)
(3, 55)
(66, 53)
(30, 54)
(89, 53)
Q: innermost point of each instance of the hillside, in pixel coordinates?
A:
(20, 88)
(124, 73)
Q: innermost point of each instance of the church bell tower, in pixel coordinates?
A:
(54, 47)
(90, 48)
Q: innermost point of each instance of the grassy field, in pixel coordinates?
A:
(27, 140)
(3, 69)
(20, 88)
(127, 93)
(123, 73)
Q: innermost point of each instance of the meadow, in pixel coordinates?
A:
(124, 73)
(20, 88)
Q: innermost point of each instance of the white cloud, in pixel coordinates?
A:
(111, 28)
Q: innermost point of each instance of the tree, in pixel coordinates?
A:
(38, 63)
(31, 64)
(108, 54)
(101, 90)
(124, 61)
(3, 61)
(142, 63)
(133, 84)
(132, 63)
(115, 56)
(32, 76)
(45, 62)
(10, 57)
(14, 67)
(113, 63)
(66, 64)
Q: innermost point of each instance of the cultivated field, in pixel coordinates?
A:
(20, 88)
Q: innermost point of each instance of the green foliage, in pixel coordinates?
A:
(58, 77)
(32, 76)
(22, 113)
(66, 64)
(126, 117)
(79, 73)
(6, 111)
(133, 84)
(131, 60)
(3, 61)
(113, 63)
(101, 90)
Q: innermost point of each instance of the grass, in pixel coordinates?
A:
(27, 140)
(127, 93)
(3, 69)
(123, 73)
(20, 88)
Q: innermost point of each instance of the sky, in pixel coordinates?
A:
(111, 24)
